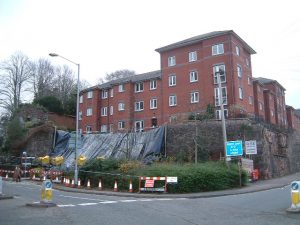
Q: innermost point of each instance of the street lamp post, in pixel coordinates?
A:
(77, 115)
(221, 104)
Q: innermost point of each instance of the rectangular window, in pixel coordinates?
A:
(224, 96)
(172, 100)
(219, 114)
(192, 56)
(251, 100)
(249, 81)
(89, 112)
(104, 111)
(139, 87)
(111, 110)
(88, 129)
(239, 71)
(103, 128)
(139, 126)
(104, 94)
(247, 62)
(80, 115)
(121, 125)
(171, 61)
(153, 84)
(81, 99)
(217, 49)
(219, 70)
(121, 106)
(153, 103)
(90, 94)
(193, 76)
(111, 128)
(237, 50)
(111, 92)
(172, 80)
(241, 93)
(260, 106)
(139, 106)
(194, 97)
(121, 87)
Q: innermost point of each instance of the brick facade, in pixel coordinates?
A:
(187, 83)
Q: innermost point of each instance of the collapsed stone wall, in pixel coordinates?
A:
(278, 151)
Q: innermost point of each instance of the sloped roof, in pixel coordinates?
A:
(203, 37)
(135, 78)
(269, 81)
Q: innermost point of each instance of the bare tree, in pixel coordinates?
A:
(15, 73)
(42, 78)
(64, 84)
(119, 74)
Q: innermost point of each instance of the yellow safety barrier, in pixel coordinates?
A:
(81, 160)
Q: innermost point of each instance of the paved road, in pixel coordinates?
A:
(265, 207)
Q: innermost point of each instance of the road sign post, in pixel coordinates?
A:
(47, 191)
(295, 197)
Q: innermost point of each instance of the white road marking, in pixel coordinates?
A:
(146, 200)
(85, 204)
(164, 199)
(69, 205)
(128, 200)
(107, 202)
(92, 199)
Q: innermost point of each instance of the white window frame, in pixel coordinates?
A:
(193, 56)
(195, 97)
(172, 80)
(140, 127)
(80, 115)
(81, 99)
(112, 93)
(224, 96)
(139, 87)
(247, 62)
(90, 94)
(251, 100)
(216, 69)
(241, 93)
(153, 84)
(104, 111)
(111, 110)
(153, 103)
(172, 100)
(260, 106)
(237, 50)
(88, 129)
(121, 87)
(217, 49)
(239, 71)
(171, 61)
(121, 125)
(89, 111)
(139, 106)
(121, 106)
(103, 128)
(104, 94)
(249, 81)
(218, 114)
(193, 76)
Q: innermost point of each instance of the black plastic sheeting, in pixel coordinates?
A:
(141, 146)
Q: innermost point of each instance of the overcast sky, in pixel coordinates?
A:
(104, 36)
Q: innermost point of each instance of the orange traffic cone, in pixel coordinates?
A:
(6, 177)
(79, 183)
(116, 186)
(100, 185)
(88, 184)
(33, 177)
(130, 186)
(73, 184)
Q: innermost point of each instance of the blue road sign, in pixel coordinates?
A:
(234, 148)
(295, 186)
(48, 185)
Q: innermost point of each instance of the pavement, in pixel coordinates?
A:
(256, 186)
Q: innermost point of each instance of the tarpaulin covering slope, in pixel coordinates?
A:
(137, 146)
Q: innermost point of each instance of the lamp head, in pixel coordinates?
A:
(53, 54)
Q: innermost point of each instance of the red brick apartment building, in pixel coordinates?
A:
(186, 83)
